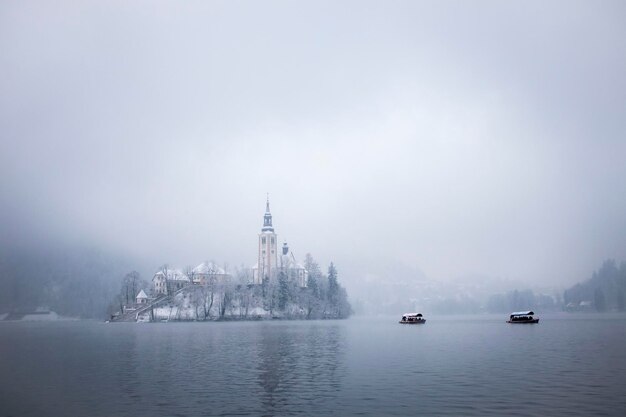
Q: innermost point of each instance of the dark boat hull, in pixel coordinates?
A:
(533, 321)
(412, 322)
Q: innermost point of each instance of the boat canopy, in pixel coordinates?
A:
(522, 313)
(412, 315)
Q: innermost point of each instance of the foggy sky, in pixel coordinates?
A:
(456, 138)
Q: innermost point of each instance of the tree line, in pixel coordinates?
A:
(604, 291)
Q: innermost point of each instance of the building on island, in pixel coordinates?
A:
(208, 272)
(267, 256)
(167, 281)
(142, 297)
(291, 268)
(269, 264)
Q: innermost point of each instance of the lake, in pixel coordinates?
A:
(569, 365)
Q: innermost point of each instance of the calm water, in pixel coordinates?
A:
(566, 365)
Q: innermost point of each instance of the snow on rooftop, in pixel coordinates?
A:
(209, 268)
(173, 274)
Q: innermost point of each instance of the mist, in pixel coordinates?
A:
(415, 145)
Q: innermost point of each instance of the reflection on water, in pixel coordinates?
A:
(298, 368)
(567, 365)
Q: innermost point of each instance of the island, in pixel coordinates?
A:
(276, 287)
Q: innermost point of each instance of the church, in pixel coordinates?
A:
(270, 263)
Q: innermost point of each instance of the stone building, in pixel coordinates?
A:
(208, 272)
(168, 281)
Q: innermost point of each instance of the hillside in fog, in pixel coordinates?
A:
(75, 281)
(605, 290)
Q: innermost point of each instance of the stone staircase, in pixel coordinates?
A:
(134, 314)
(131, 316)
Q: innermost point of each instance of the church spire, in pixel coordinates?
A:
(267, 219)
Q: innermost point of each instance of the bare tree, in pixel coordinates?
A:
(244, 293)
(169, 314)
(189, 272)
(179, 301)
(225, 290)
(125, 291)
(133, 281)
(207, 294)
(195, 300)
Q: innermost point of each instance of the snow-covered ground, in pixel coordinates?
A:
(186, 313)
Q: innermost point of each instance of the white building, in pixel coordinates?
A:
(269, 264)
(142, 297)
(294, 270)
(208, 272)
(167, 281)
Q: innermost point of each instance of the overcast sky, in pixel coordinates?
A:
(457, 138)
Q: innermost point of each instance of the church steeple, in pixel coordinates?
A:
(267, 218)
(268, 253)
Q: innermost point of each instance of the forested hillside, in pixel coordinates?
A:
(605, 290)
(70, 280)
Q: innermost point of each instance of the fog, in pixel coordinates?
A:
(450, 141)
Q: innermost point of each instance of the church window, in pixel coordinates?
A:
(263, 240)
(272, 240)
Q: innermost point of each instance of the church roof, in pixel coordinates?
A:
(172, 274)
(289, 261)
(209, 268)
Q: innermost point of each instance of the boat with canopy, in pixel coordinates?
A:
(412, 318)
(523, 317)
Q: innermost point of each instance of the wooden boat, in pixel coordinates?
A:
(522, 317)
(412, 318)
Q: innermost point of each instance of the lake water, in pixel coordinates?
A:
(471, 366)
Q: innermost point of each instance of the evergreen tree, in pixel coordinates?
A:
(311, 299)
(333, 290)
(283, 291)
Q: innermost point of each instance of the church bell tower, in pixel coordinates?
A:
(268, 256)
